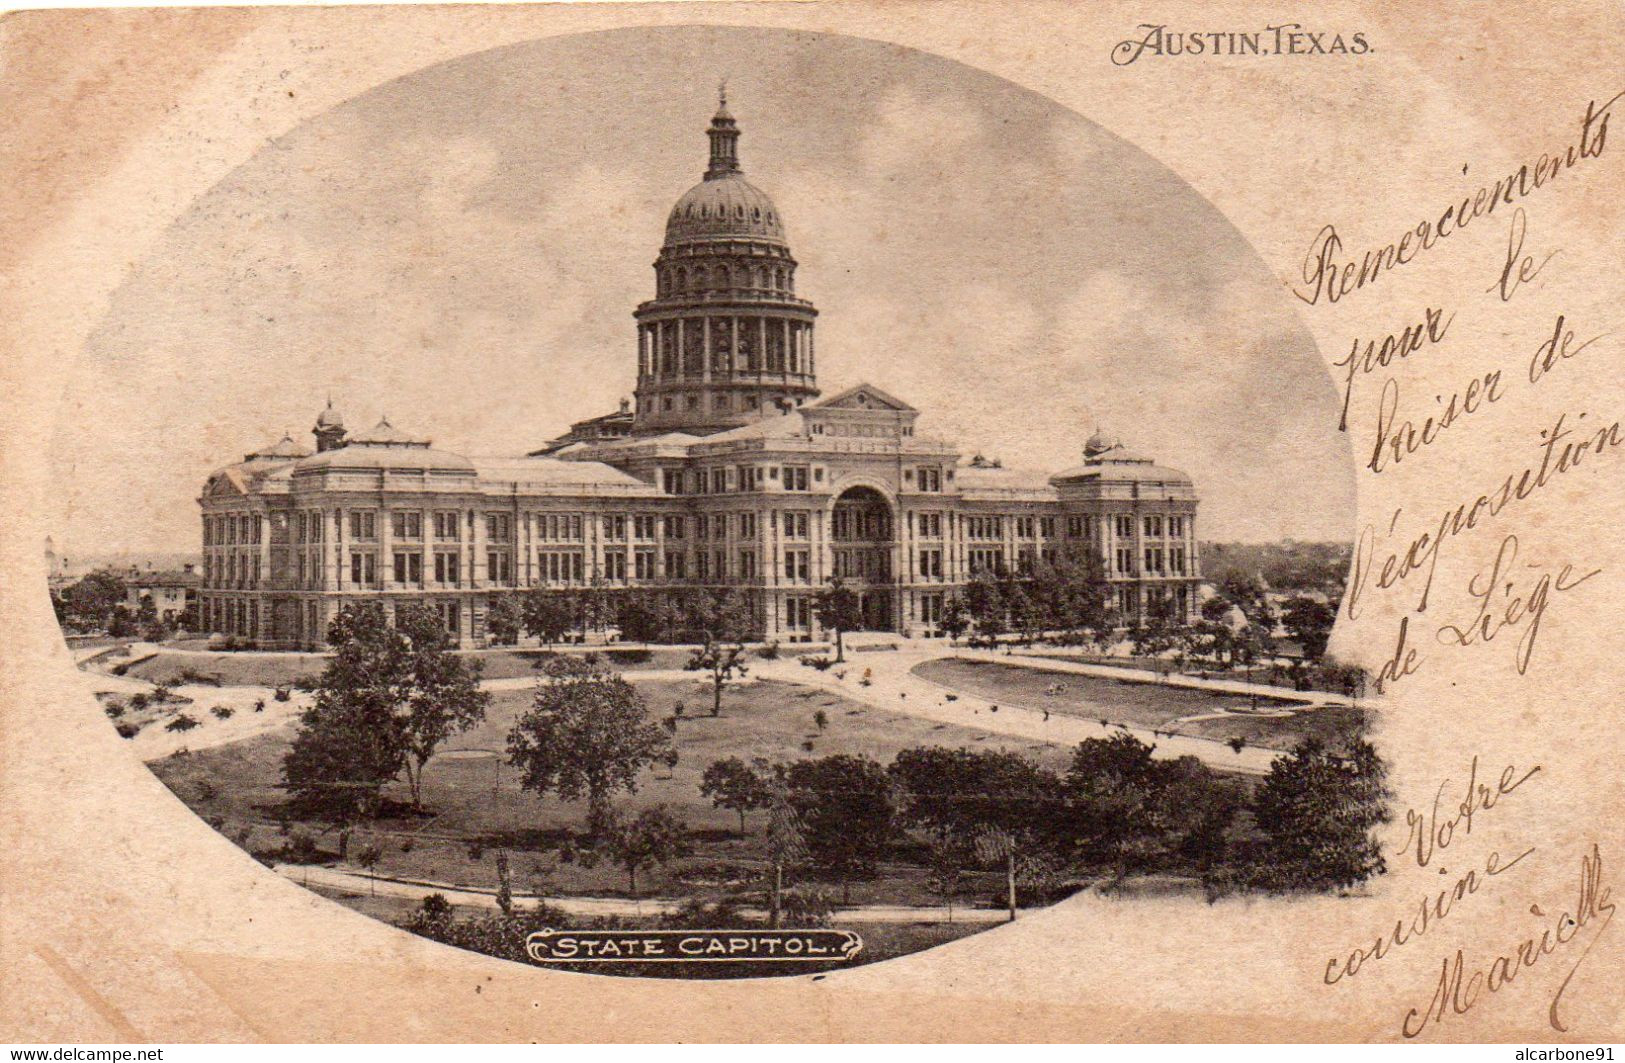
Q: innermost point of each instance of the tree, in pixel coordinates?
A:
(548, 615)
(1316, 811)
(955, 619)
(721, 662)
(653, 838)
(442, 691)
(1250, 596)
(89, 603)
(1071, 592)
(839, 609)
(504, 617)
(1000, 803)
(735, 785)
(984, 601)
(950, 857)
(786, 840)
(587, 734)
(847, 812)
(643, 616)
(1310, 622)
(386, 700)
(1112, 789)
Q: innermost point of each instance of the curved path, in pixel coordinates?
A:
(894, 687)
(359, 882)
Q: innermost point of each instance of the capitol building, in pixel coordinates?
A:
(728, 469)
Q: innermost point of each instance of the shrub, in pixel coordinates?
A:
(128, 730)
(820, 663)
(114, 710)
(161, 692)
(183, 722)
(206, 790)
(302, 847)
(629, 656)
(282, 694)
(223, 712)
(139, 700)
(768, 651)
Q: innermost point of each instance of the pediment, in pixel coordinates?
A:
(865, 397)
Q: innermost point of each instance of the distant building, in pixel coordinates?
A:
(173, 593)
(727, 471)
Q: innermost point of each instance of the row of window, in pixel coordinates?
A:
(681, 280)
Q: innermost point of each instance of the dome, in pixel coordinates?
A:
(330, 418)
(722, 207)
(283, 450)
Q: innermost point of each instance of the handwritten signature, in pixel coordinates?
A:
(1458, 992)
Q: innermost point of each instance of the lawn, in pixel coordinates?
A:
(473, 803)
(1155, 706)
(245, 668)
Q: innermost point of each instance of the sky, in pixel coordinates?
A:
(461, 250)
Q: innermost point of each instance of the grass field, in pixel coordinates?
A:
(174, 666)
(473, 803)
(1138, 704)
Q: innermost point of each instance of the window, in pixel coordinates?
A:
(446, 568)
(1025, 527)
(747, 525)
(930, 525)
(1176, 527)
(675, 527)
(557, 566)
(499, 527)
(1125, 526)
(702, 565)
(1074, 527)
(719, 481)
(985, 560)
(931, 564)
(798, 613)
(1176, 560)
(498, 567)
(643, 527)
(643, 564)
(673, 481)
(750, 477)
(930, 478)
(1153, 526)
(798, 565)
(719, 528)
(450, 614)
(363, 568)
(796, 524)
(931, 609)
(409, 566)
(615, 566)
(795, 477)
(1125, 560)
(747, 564)
(363, 525)
(615, 529)
(676, 565)
(406, 525)
(1046, 527)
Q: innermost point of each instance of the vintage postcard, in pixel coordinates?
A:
(812, 522)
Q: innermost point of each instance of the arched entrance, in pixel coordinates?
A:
(863, 537)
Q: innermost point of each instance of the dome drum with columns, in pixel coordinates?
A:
(725, 341)
(726, 473)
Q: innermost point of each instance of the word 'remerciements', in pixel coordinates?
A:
(1328, 276)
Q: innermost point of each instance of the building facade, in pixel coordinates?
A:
(727, 470)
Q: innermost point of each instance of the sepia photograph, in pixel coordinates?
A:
(606, 578)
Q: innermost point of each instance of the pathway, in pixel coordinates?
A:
(894, 687)
(359, 882)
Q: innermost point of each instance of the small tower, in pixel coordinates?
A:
(329, 430)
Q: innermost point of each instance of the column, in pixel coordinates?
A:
(386, 547)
